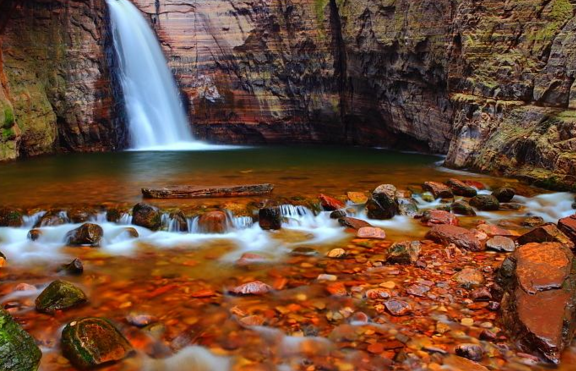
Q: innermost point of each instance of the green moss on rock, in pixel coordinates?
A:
(59, 295)
(18, 351)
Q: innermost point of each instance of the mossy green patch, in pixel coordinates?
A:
(18, 350)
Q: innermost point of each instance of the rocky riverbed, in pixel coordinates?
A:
(446, 276)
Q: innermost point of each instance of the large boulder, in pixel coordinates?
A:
(10, 217)
(485, 202)
(147, 216)
(438, 190)
(87, 234)
(213, 222)
(568, 227)
(459, 188)
(546, 233)
(461, 237)
(383, 203)
(18, 350)
(93, 342)
(59, 295)
(270, 218)
(539, 302)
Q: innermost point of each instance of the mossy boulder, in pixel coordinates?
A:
(92, 342)
(147, 216)
(10, 217)
(87, 234)
(485, 202)
(59, 295)
(18, 351)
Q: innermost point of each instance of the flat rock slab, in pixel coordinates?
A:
(196, 191)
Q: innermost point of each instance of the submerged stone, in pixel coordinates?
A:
(147, 216)
(270, 218)
(433, 217)
(92, 342)
(485, 203)
(533, 221)
(87, 234)
(10, 218)
(539, 303)
(59, 295)
(460, 237)
(75, 267)
(504, 194)
(18, 350)
(406, 252)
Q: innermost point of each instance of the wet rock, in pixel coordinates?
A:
(473, 352)
(462, 208)
(460, 188)
(405, 252)
(460, 237)
(533, 221)
(427, 197)
(75, 267)
(147, 216)
(87, 234)
(178, 222)
(92, 342)
(398, 307)
(140, 319)
(251, 288)
(330, 204)
(504, 194)
(494, 230)
(79, 215)
(59, 295)
(539, 303)
(460, 363)
(501, 244)
(417, 290)
(213, 222)
(304, 251)
(336, 253)
(378, 293)
(568, 227)
(469, 277)
(546, 233)
(485, 202)
(383, 203)
(270, 218)
(353, 223)
(337, 214)
(18, 350)
(51, 219)
(481, 294)
(131, 232)
(34, 234)
(371, 233)
(433, 217)
(510, 206)
(438, 190)
(10, 218)
(407, 207)
(113, 215)
(357, 198)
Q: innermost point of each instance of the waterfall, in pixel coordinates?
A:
(156, 116)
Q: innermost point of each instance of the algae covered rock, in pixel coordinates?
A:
(147, 216)
(92, 342)
(18, 351)
(10, 217)
(59, 295)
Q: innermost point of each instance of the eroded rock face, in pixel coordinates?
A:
(539, 304)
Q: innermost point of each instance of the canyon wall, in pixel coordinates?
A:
(489, 83)
(56, 88)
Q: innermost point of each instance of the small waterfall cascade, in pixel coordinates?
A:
(156, 116)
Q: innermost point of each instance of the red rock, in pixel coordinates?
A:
(473, 352)
(417, 290)
(469, 277)
(337, 288)
(213, 222)
(500, 243)
(438, 190)
(330, 203)
(371, 233)
(353, 223)
(378, 293)
(568, 227)
(460, 188)
(433, 217)
(546, 233)
(494, 230)
(474, 183)
(251, 288)
(398, 307)
(460, 237)
(250, 258)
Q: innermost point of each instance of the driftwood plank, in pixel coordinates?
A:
(196, 191)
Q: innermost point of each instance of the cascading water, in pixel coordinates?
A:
(156, 117)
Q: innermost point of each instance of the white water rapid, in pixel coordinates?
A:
(156, 118)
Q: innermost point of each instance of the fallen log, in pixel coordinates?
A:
(208, 191)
